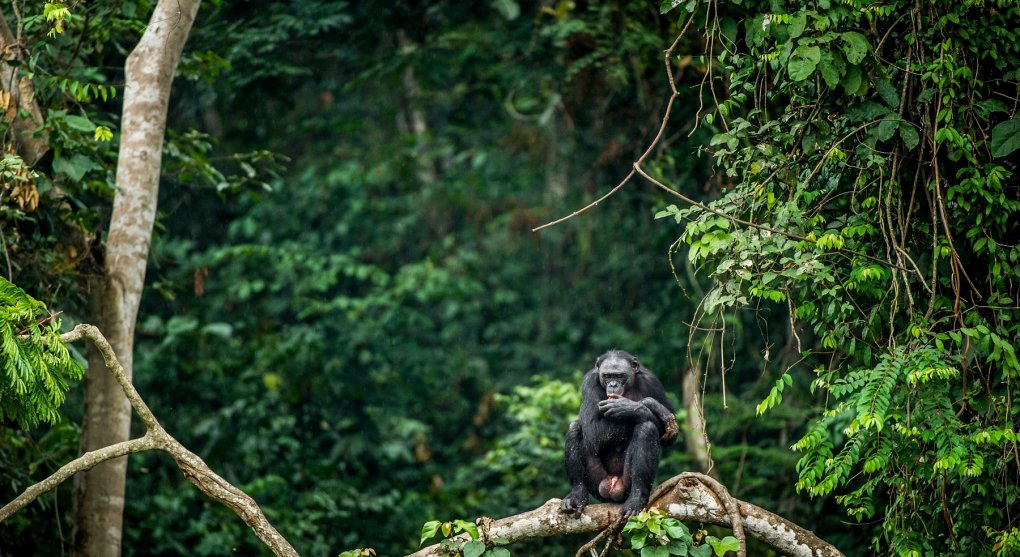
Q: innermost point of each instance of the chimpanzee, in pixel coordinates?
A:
(612, 450)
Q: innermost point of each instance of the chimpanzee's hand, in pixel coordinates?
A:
(620, 408)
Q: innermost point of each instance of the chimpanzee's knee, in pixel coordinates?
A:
(646, 431)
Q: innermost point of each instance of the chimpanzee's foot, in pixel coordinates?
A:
(631, 507)
(575, 502)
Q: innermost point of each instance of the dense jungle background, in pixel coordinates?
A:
(347, 312)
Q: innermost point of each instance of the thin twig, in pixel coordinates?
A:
(751, 224)
(41, 322)
(7, 257)
(607, 533)
(658, 136)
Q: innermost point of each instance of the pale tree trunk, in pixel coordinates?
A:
(149, 71)
(695, 435)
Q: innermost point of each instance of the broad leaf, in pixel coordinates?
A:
(79, 123)
(909, 135)
(729, 543)
(429, 530)
(1005, 138)
(798, 24)
(832, 68)
(852, 81)
(74, 167)
(803, 62)
(855, 46)
(473, 548)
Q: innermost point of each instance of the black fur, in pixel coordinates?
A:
(612, 450)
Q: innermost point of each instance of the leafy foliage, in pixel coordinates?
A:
(652, 533)
(869, 162)
(373, 336)
(36, 366)
(472, 547)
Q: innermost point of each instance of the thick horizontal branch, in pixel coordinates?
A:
(685, 497)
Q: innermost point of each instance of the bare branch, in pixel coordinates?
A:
(80, 464)
(667, 59)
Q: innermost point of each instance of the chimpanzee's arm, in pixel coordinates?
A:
(655, 400)
(591, 394)
(664, 418)
(626, 409)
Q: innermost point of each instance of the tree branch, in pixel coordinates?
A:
(685, 497)
(193, 467)
(80, 464)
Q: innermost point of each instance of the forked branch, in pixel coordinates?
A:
(193, 468)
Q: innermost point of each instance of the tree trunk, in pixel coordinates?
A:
(99, 493)
(17, 99)
(694, 434)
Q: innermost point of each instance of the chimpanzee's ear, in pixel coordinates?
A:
(600, 359)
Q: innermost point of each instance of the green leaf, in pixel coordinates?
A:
(703, 550)
(728, 27)
(803, 62)
(79, 123)
(729, 543)
(467, 526)
(678, 547)
(888, 93)
(429, 530)
(886, 128)
(473, 548)
(102, 133)
(909, 135)
(677, 531)
(74, 167)
(855, 46)
(925, 96)
(832, 68)
(866, 111)
(509, 9)
(499, 552)
(222, 330)
(852, 81)
(988, 107)
(798, 24)
(1005, 138)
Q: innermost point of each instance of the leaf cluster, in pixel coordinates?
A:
(652, 533)
(472, 547)
(36, 367)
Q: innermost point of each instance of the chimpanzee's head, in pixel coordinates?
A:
(616, 372)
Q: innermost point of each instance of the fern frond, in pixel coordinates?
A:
(35, 366)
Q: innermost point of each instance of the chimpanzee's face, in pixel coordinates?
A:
(616, 373)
